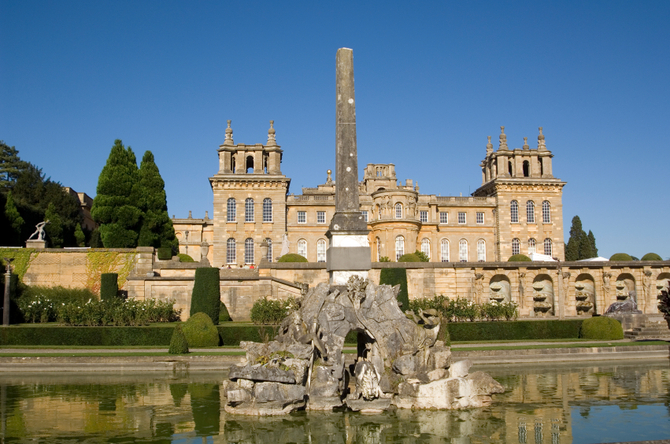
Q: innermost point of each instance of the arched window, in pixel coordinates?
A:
(249, 210)
(526, 168)
(249, 251)
(267, 210)
(302, 248)
(250, 164)
(444, 250)
(530, 212)
(231, 257)
(547, 247)
(425, 247)
(321, 250)
(481, 250)
(515, 246)
(531, 246)
(546, 212)
(231, 210)
(514, 212)
(269, 242)
(463, 250)
(378, 244)
(398, 210)
(399, 246)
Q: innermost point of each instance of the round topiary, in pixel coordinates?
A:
(178, 342)
(292, 257)
(519, 258)
(200, 331)
(185, 258)
(621, 257)
(602, 328)
(409, 257)
(651, 257)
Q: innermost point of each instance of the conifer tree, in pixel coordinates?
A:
(580, 245)
(10, 165)
(157, 230)
(592, 241)
(54, 229)
(14, 220)
(115, 207)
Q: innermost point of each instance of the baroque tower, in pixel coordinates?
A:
(249, 201)
(529, 206)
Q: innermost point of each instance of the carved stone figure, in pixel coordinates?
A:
(39, 231)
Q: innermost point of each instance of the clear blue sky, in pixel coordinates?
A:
(433, 79)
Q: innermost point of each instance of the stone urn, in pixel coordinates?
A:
(621, 291)
(497, 292)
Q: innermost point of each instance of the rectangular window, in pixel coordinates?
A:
(365, 215)
(423, 216)
(302, 218)
(480, 218)
(461, 217)
(444, 217)
(320, 217)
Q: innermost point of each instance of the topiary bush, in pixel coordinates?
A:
(602, 328)
(621, 257)
(200, 331)
(292, 257)
(224, 316)
(178, 342)
(206, 296)
(185, 258)
(651, 257)
(519, 258)
(393, 277)
(109, 287)
(409, 257)
(164, 253)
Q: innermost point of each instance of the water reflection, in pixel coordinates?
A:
(548, 404)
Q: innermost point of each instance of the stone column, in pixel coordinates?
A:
(349, 248)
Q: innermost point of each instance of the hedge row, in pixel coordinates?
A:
(514, 330)
(232, 334)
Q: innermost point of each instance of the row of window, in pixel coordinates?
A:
(530, 212)
(231, 251)
(532, 248)
(423, 216)
(463, 249)
(249, 216)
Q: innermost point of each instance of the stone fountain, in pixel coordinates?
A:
(400, 362)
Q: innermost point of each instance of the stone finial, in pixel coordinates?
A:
(271, 134)
(503, 139)
(190, 214)
(229, 135)
(489, 146)
(525, 143)
(540, 141)
(206, 215)
(330, 176)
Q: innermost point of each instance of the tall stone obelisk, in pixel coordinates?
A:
(349, 249)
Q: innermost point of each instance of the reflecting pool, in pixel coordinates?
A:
(543, 404)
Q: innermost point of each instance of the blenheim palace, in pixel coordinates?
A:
(517, 209)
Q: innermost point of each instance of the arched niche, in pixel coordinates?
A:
(662, 283)
(624, 284)
(585, 294)
(499, 288)
(543, 295)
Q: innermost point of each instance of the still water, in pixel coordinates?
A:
(542, 404)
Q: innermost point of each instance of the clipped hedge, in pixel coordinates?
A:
(158, 335)
(621, 257)
(292, 257)
(651, 257)
(519, 258)
(393, 277)
(514, 330)
(164, 253)
(109, 286)
(185, 258)
(178, 343)
(206, 296)
(602, 328)
(409, 257)
(200, 331)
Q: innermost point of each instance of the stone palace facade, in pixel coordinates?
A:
(517, 209)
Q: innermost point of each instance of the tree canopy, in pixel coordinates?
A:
(580, 245)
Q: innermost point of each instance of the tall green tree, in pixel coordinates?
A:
(580, 245)
(54, 229)
(10, 166)
(14, 221)
(115, 207)
(157, 230)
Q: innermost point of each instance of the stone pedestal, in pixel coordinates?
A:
(36, 244)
